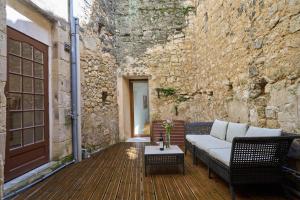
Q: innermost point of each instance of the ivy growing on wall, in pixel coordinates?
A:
(171, 92)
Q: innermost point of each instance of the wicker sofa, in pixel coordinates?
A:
(237, 153)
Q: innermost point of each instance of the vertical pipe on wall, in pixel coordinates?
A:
(75, 86)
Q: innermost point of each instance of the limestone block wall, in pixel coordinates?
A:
(98, 77)
(142, 24)
(237, 61)
(3, 78)
(232, 60)
(60, 129)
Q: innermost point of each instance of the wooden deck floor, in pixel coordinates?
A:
(118, 173)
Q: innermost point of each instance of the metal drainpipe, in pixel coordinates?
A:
(75, 86)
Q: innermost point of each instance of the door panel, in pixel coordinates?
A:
(27, 141)
(140, 107)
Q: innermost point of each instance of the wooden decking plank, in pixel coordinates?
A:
(109, 170)
(47, 190)
(173, 191)
(113, 187)
(124, 190)
(64, 191)
(205, 188)
(183, 188)
(160, 189)
(148, 185)
(118, 174)
(134, 180)
(85, 188)
(75, 183)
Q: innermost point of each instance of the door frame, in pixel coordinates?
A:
(19, 36)
(131, 81)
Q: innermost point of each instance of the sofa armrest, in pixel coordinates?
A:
(258, 159)
(198, 128)
(260, 152)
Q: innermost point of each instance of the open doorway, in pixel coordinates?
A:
(139, 100)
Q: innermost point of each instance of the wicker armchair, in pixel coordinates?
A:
(253, 160)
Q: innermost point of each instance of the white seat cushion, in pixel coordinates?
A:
(222, 155)
(193, 138)
(262, 132)
(207, 142)
(219, 129)
(235, 130)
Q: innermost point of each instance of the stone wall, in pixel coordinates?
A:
(236, 60)
(141, 25)
(60, 131)
(98, 77)
(3, 78)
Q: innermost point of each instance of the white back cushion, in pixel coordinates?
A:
(219, 129)
(262, 132)
(235, 130)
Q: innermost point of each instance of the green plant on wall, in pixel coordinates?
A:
(171, 92)
(165, 92)
(186, 10)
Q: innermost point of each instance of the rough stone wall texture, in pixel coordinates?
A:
(61, 133)
(233, 60)
(2, 95)
(98, 78)
(143, 24)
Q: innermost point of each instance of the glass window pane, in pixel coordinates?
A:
(14, 101)
(14, 47)
(28, 136)
(14, 64)
(39, 117)
(38, 56)
(26, 51)
(39, 86)
(15, 139)
(28, 101)
(28, 119)
(38, 70)
(27, 84)
(39, 102)
(15, 83)
(39, 134)
(15, 120)
(27, 68)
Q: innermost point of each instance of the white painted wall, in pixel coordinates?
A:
(58, 8)
(141, 114)
(26, 24)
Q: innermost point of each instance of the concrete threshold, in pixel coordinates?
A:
(138, 139)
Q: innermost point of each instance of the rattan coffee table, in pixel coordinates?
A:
(170, 157)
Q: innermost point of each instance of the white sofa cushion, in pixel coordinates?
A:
(222, 155)
(262, 132)
(193, 138)
(206, 142)
(219, 129)
(235, 130)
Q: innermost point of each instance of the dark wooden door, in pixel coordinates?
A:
(27, 140)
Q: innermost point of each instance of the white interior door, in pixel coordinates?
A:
(140, 107)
